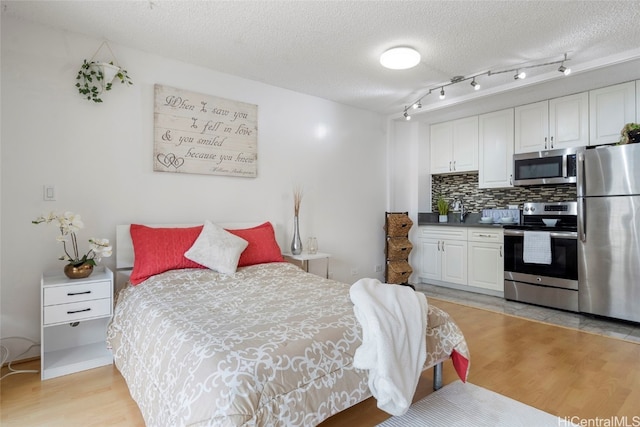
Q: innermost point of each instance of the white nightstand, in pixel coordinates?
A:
(74, 318)
(305, 257)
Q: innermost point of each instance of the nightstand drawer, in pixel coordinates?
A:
(76, 311)
(73, 293)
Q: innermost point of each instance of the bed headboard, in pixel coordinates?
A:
(124, 245)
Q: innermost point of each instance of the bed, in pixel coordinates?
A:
(266, 345)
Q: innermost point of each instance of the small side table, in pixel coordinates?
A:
(305, 257)
(74, 318)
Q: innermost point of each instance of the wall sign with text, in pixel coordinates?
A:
(203, 134)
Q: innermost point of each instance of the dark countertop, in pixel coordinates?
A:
(471, 220)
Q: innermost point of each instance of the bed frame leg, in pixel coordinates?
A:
(437, 376)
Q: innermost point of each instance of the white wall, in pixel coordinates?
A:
(99, 157)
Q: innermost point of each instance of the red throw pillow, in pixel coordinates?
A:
(262, 246)
(157, 250)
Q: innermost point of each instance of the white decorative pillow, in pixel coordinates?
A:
(217, 249)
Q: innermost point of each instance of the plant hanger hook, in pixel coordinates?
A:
(113, 56)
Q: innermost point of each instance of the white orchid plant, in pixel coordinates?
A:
(70, 223)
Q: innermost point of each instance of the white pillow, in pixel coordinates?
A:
(217, 249)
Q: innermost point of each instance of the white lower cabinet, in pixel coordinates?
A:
(486, 259)
(443, 252)
(468, 256)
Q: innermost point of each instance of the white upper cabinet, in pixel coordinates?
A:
(610, 108)
(496, 137)
(454, 146)
(532, 127)
(637, 101)
(569, 121)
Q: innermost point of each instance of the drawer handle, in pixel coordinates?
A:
(78, 293)
(78, 311)
(485, 235)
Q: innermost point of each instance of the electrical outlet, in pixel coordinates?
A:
(378, 268)
(354, 271)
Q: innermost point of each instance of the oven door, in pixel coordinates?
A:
(561, 273)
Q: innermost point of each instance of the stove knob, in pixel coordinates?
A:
(533, 209)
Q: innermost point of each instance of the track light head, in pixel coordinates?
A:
(520, 75)
(564, 70)
(442, 93)
(417, 105)
(474, 84)
(406, 115)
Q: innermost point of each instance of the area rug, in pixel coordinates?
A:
(466, 405)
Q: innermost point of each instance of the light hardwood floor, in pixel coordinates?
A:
(562, 371)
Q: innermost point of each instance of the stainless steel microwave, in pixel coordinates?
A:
(545, 167)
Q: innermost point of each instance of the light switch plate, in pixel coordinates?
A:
(49, 193)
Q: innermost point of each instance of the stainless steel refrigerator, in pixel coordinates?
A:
(608, 189)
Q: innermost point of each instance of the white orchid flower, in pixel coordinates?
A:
(70, 223)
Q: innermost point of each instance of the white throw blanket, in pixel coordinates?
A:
(537, 247)
(394, 325)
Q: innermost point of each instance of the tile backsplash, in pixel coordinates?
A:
(476, 199)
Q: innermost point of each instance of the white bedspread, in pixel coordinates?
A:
(269, 346)
(394, 321)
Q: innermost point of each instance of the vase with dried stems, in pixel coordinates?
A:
(296, 242)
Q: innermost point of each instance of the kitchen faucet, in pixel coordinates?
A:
(459, 207)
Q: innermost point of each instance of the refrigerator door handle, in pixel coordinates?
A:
(582, 234)
(580, 173)
(580, 183)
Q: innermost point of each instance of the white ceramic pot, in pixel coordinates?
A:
(443, 218)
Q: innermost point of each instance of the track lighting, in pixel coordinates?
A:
(520, 75)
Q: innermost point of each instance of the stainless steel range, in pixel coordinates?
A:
(541, 256)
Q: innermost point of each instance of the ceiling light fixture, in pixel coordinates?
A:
(400, 58)
(519, 74)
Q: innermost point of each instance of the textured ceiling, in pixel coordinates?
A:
(330, 49)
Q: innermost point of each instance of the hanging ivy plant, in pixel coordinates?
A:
(96, 77)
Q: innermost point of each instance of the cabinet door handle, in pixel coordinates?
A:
(551, 142)
(454, 165)
(78, 293)
(438, 245)
(78, 311)
(545, 142)
(442, 246)
(449, 165)
(511, 179)
(500, 251)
